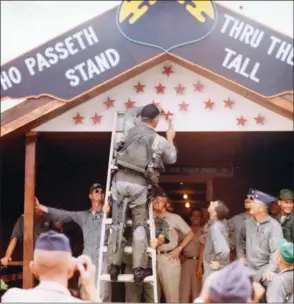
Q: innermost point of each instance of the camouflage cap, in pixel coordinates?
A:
(286, 194)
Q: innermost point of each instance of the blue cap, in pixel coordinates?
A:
(53, 241)
(250, 191)
(231, 284)
(263, 197)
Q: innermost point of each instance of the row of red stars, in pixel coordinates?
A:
(160, 89)
(183, 106)
(96, 119)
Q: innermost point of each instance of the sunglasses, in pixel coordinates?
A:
(249, 197)
(98, 191)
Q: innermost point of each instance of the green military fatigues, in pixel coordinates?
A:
(135, 291)
(130, 189)
(287, 224)
(287, 221)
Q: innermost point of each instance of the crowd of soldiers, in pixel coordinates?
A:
(187, 256)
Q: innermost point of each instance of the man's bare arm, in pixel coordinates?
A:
(187, 239)
(9, 252)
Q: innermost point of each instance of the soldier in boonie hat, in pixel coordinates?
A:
(286, 216)
(280, 290)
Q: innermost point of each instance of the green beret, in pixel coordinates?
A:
(286, 250)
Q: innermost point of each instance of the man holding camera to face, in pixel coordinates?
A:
(54, 265)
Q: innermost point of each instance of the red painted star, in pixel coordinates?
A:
(167, 70)
(259, 119)
(96, 118)
(179, 89)
(198, 86)
(129, 104)
(78, 119)
(139, 87)
(160, 89)
(228, 103)
(109, 103)
(183, 106)
(167, 115)
(209, 104)
(241, 121)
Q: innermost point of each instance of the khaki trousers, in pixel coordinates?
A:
(190, 285)
(135, 291)
(169, 276)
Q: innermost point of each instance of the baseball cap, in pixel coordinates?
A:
(95, 186)
(150, 111)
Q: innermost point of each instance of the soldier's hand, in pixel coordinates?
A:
(215, 265)
(40, 207)
(199, 271)
(175, 254)
(159, 107)
(37, 203)
(5, 261)
(155, 243)
(268, 276)
(86, 270)
(243, 261)
(106, 208)
(170, 134)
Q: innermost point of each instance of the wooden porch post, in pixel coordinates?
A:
(29, 198)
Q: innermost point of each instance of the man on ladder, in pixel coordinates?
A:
(139, 160)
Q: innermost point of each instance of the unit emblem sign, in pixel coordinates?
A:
(201, 32)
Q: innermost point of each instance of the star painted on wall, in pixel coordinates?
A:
(179, 89)
(139, 87)
(229, 103)
(241, 121)
(259, 119)
(183, 106)
(129, 104)
(109, 103)
(198, 86)
(160, 89)
(209, 104)
(96, 118)
(78, 119)
(167, 115)
(167, 70)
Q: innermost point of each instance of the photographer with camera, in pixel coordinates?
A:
(54, 265)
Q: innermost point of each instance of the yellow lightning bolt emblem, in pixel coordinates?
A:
(198, 8)
(133, 10)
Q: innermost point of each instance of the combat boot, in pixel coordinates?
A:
(114, 272)
(141, 273)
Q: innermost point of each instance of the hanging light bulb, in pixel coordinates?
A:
(187, 205)
(185, 196)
